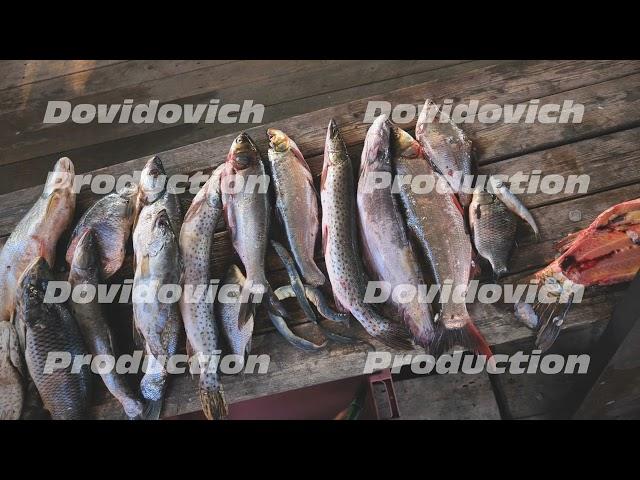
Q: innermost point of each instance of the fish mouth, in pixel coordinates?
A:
(333, 130)
(154, 166)
(242, 144)
(64, 165)
(277, 140)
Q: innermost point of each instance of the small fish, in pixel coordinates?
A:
(296, 202)
(198, 316)
(436, 221)
(12, 373)
(340, 244)
(111, 219)
(388, 253)
(50, 327)
(37, 234)
(247, 211)
(238, 337)
(513, 203)
(157, 262)
(90, 316)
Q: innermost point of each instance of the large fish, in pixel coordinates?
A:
(447, 148)
(436, 220)
(340, 243)
(12, 373)
(37, 233)
(111, 219)
(157, 263)
(387, 251)
(50, 327)
(245, 200)
(84, 273)
(196, 238)
(296, 202)
(238, 338)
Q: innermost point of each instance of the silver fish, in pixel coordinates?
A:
(340, 243)
(198, 316)
(238, 338)
(388, 253)
(90, 316)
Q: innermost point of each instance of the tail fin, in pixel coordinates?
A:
(393, 335)
(214, 404)
(152, 410)
(468, 337)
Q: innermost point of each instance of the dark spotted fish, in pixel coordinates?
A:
(50, 327)
(436, 221)
(387, 251)
(340, 243)
(90, 316)
(111, 219)
(198, 316)
(157, 262)
(296, 202)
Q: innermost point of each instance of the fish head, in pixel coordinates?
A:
(278, 140)
(59, 193)
(85, 256)
(128, 195)
(334, 146)
(152, 181)
(404, 144)
(33, 283)
(61, 178)
(376, 154)
(243, 153)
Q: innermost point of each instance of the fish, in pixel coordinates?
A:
(296, 202)
(157, 262)
(37, 234)
(607, 252)
(388, 253)
(12, 373)
(85, 274)
(447, 148)
(436, 221)
(227, 311)
(198, 315)
(51, 327)
(111, 219)
(247, 212)
(513, 203)
(340, 244)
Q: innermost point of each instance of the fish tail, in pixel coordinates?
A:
(467, 337)
(214, 404)
(393, 335)
(152, 410)
(312, 274)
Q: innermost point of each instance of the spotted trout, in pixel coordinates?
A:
(51, 327)
(84, 275)
(157, 263)
(296, 202)
(198, 316)
(340, 244)
(436, 220)
(37, 234)
(388, 254)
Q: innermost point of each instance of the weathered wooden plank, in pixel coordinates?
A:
(204, 155)
(447, 397)
(25, 72)
(34, 97)
(23, 135)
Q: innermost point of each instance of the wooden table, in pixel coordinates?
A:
(300, 97)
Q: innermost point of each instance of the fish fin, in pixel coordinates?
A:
(291, 337)
(396, 336)
(152, 410)
(214, 404)
(468, 337)
(550, 329)
(246, 312)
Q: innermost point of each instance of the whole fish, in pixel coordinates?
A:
(296, 202)
(198, 316)
(90, 316)
(447, 148)
(247, 211)
(37, 233)
(239, 339)
(111, 219)
(437, 223)
(12, 373)
(493, 227)
(157, 262)
(387, 251)
(50, 327)
(340, 243)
